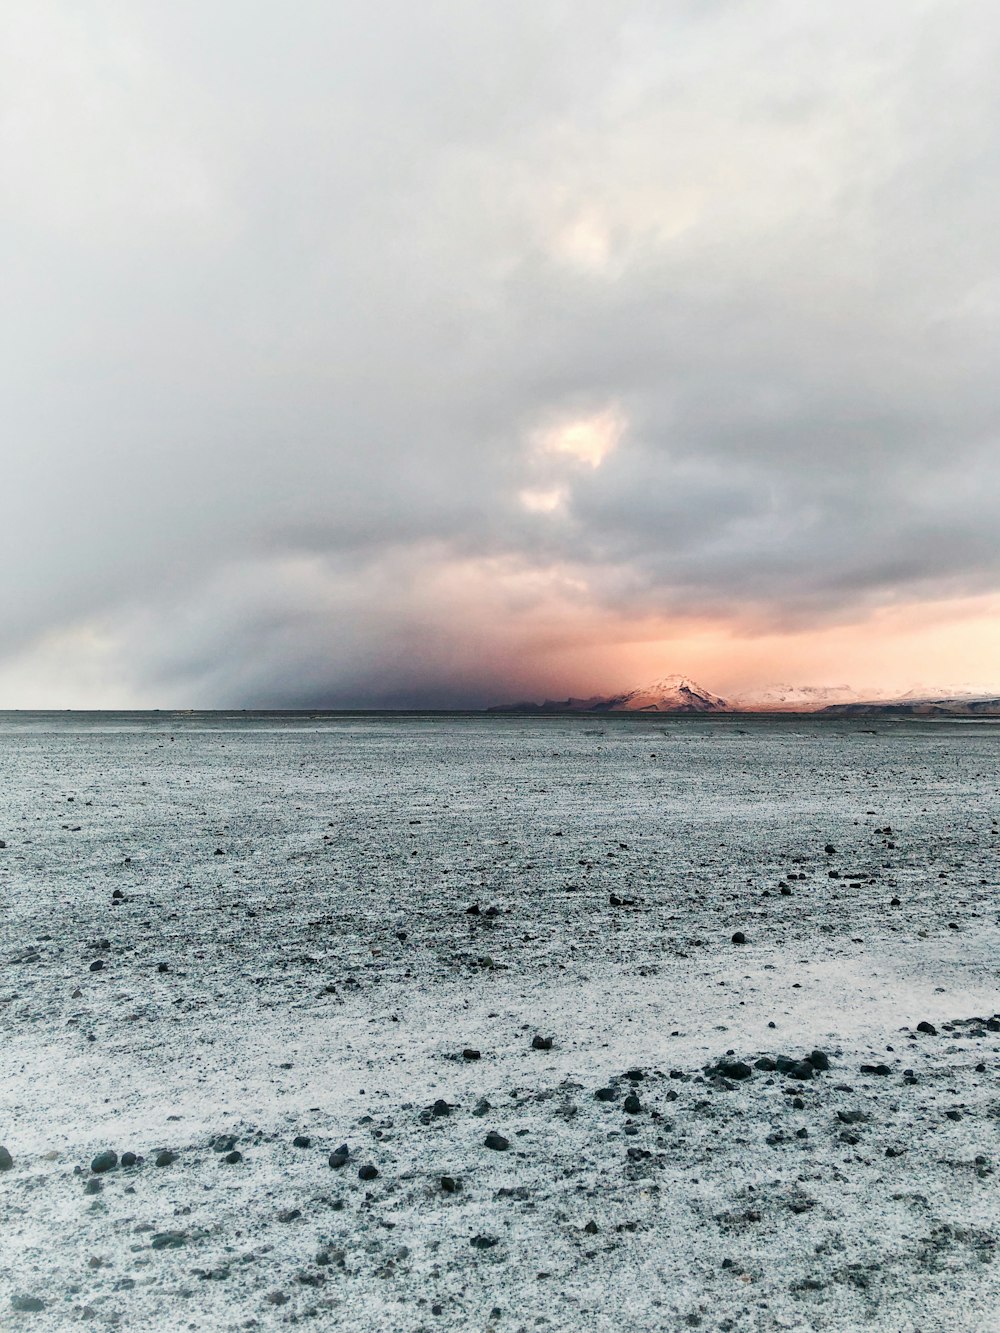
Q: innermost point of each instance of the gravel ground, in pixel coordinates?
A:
(277, 937)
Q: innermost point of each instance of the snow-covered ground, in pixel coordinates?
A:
(305, 884)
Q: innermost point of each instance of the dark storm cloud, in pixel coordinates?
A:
(292, 297)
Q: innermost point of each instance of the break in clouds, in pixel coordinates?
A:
(371, 353)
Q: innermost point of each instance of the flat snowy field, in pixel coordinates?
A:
(220, 934)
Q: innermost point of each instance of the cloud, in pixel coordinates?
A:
(341, 351)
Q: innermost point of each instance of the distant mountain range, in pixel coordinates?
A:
(680, 694)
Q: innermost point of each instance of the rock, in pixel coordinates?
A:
(6, 1161)
(224, 1143)
(496, 1141)
(481, 1108)
(302, 1141)
(591, 1228)
(928, 1028)
(739, 937)
(289, 1214)
(165, 1158)
(27, 1304)
(162, 967)
(276, 1298)
(233, 1158)
(368, 1172)
(470, 1053)
(93, 1186)
(483, 1242)
(440, 1107)
(169, 1240)
(606, 1095)
(449, 1184)
(104, 1161)
(128, 1159)
(735, 1069)
(830, 849)
(539, 1043)
(632, 1105)
(766, 1064)
(339, 1156)
(880, 1070)
(819, 1060)
(854, 1117)
(97, 965)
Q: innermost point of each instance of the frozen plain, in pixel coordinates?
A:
(306, 883)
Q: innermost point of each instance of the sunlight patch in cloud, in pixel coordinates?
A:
(586, 439)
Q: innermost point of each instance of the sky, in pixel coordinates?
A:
(382, 353)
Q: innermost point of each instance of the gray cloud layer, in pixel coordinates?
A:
(291, 292)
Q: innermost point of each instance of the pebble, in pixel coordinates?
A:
(27, 1304)
(496, 1141)
(166, 1157)
(739, 937)
(606, 1095)
(104, 1161)
(6, 1161)
(449, 1184)
(302, 1141)
(539, 1043)
(368, 1172)
(483, 1242)
(233, 1158)
(632, 1104)
(928, 1028)
(97, 965)
(339, 1156)
(128, 1159)
(470, 1053)
(440, 1107)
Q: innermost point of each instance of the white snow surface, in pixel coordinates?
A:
(325, 974)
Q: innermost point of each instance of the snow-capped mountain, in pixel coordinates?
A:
(794, 698)
(669, 694)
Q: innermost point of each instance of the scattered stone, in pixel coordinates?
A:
(481, 1108)
(606, 1095)
(440, 1107)
(97, 965)
(539, 1043)
(27, 1304)
(496, 1141)
(93, 1186)
(233, 1158)
(162, 967)
(483, 1242)
(739, 937)
(591, 1228)
(449, 1184)
(632, 1104)
(6, 1161)
(165, 1158)
(734, 1069)
(302, 1141)
(339, 1156)
(470, 1053)
(928, 1028)
(819, 1060)
(368, 1172)
(880, 1070)
(104, 1161)
(289, 1214)
(128, 1159)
